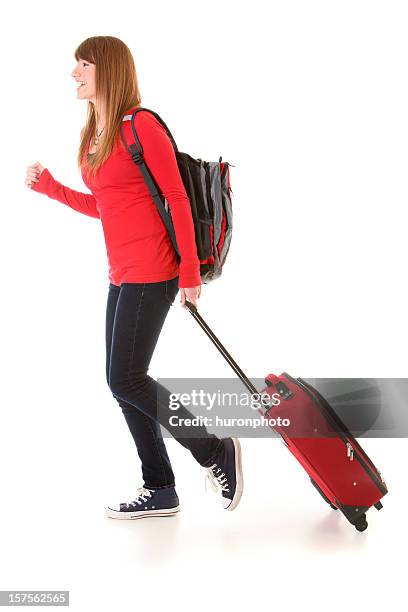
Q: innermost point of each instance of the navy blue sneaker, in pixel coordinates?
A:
(225, 474)
(148, 502)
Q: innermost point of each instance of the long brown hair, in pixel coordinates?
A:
(116, 83)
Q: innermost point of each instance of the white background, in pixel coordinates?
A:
(309, 101)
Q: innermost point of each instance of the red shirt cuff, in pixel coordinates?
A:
(189, 276)
(44, 182)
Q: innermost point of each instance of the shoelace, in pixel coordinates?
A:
(216, 479)
(142, 494)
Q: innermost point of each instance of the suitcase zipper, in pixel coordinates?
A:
(350, 450)
(362, 456)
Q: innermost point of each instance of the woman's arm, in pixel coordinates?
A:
(160, 158)
(82, 202)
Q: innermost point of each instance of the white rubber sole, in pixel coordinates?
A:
(116, 514)
(238, 476)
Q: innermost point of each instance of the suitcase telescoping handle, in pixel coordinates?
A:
(221, 348)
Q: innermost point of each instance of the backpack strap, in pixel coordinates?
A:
(134, 146)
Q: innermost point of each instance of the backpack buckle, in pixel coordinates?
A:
(137, 158)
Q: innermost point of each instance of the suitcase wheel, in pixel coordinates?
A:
(362, 524)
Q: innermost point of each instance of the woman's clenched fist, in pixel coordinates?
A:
(33, 174)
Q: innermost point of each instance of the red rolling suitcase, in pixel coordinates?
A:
(337, 465)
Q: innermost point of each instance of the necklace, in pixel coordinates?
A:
(96, 140)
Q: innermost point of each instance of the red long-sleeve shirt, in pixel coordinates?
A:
(138, 246)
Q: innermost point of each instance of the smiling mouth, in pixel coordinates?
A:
(81, 84)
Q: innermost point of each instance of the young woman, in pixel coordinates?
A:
(144, 273)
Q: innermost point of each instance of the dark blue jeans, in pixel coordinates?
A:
(135, 315)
